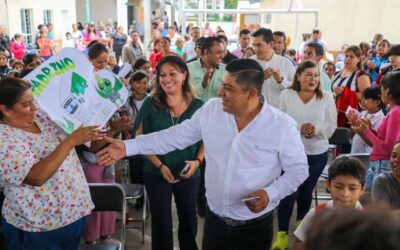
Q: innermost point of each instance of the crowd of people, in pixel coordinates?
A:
(231, 135)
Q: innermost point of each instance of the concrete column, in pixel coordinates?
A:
(122, 14)
(147, 21)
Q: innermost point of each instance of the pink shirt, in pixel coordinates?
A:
(239, 52)
(387, 134)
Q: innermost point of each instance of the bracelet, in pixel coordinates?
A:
(200, 161)
(159, 167)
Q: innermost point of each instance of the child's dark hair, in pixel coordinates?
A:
(138, 76)
(347, 166)
(391, 82)
(96, 49)
(139, 63)
(374, 93)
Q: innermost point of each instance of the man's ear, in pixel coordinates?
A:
(252, 93)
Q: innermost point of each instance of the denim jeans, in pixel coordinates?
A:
(376, 168)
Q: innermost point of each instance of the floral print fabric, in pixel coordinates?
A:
(63, 199)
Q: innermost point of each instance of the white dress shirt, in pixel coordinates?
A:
(238, 163)
(272, 89)
(319, 112)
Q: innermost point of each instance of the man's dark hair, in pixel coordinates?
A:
(351, 229)
(280, 33)
(133, 31)
(319, 50)
(265, 33)
(247, 72)
(244, 32)
(208, 43)
(394, 50)
(223, 38)
(347, 166)
(391, 82)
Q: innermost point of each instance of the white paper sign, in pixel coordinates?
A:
(124, 70)
(71, 93)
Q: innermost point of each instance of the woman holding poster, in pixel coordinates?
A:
(47, 199)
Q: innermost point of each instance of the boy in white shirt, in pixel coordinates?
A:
(346, 183)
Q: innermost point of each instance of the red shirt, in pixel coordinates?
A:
(18, 49)
(44, 46)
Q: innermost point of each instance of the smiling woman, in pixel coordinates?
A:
(44, 185)
(172, 101)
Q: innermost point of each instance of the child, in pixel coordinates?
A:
(388, 131)
(68, 41)
(4, 69)
(346, 183)
(371, 102)
(139, 82)
(112, 63)
(17, 65)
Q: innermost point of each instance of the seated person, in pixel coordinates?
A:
(386, 188)
(346, 183)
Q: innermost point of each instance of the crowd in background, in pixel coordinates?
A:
(358, 90)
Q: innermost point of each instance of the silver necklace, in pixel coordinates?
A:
(177, 120)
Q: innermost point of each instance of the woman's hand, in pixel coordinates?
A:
(193, 166)
(84, 134)
(370, 64)
(307, 130)
(167, 175)
(338, 91)
(121, 124)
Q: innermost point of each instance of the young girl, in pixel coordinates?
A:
(371, 102)
(388, 132)
(139, 83)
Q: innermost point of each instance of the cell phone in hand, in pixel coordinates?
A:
(185, 170)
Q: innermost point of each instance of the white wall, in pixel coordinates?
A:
(61, 23)
(100, 10)
(342, 21)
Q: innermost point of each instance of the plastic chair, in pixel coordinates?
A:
(108, 197)
(134, 192)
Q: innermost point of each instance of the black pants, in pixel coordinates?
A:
(255, 236)
(160, 196)
(136, 169)
(201, 197)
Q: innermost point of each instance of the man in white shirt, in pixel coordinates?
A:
(248, 145)
(188, 51)
(278, 71)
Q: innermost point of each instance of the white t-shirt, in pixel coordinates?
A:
(189, 50)
(358, 145)
(301, 230)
